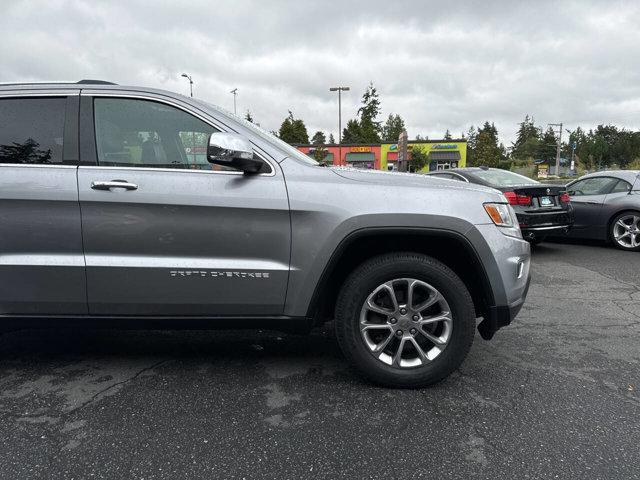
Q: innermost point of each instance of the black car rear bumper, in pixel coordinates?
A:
(535, 225)
(499, 316)
(531, 233)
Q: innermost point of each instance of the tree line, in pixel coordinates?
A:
(600, 147)
(363, 129)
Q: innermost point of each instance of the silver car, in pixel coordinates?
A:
(607, 207)
(140, 208)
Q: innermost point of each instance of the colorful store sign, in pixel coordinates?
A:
(360, 149)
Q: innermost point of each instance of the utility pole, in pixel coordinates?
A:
(188, 77)
(339, 90)
(558, 145)
(235, 94)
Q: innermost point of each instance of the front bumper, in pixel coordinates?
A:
(499, 316)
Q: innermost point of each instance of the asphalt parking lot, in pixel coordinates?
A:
(555, 395)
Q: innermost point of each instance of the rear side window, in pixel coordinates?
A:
(143, 133)
(591, 186)
(31, 130)
(621, 187)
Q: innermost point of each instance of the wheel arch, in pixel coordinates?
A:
(615, 215)
(450, 247)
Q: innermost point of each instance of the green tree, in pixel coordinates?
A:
(318, 138)
(392, 128)
(352, 132)
(293, 130)
(419, 159)
(578, 139)
(365, 129)
(487, 151)
(447, 135)
(547, 146)
(370, 128)
(332, 140)
(320, 154)
(527, 140)
(472, 139)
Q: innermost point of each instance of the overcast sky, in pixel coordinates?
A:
(438, 64)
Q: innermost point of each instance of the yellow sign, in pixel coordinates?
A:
(543, 171)
(360, 149)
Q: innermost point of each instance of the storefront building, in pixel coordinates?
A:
(358, 156)
(443, 154)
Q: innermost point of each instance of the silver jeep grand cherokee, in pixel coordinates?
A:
(139, 208)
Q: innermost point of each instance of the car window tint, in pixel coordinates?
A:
(621, 187)
(143, 133)
(503, 178)
(591, 186)
(31, 130)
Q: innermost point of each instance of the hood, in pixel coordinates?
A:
(403, 179)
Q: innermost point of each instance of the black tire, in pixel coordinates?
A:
(362, 282)
(612, 227)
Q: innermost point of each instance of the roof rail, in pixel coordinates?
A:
(95, 82)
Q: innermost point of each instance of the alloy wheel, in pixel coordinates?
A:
(406, 323)
(626, 231)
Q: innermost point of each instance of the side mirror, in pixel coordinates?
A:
(232, 150)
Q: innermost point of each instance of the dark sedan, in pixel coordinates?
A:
(541, 209)
(607, 207)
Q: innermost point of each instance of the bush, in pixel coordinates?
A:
(635, 165)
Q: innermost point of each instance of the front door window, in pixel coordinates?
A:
(141, 133)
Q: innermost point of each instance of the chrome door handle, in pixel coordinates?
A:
(113, 184)
(592, 203)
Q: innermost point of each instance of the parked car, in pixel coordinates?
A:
(542, 209)
(607, 207)
(140, 208)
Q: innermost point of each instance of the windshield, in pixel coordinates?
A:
(261, 132)
(504, 178)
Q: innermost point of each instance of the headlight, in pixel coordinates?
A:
(504, 217)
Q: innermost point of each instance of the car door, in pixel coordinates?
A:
(41, 261)
(175, 236)
(587, 197)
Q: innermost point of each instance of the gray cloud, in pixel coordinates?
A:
(447, 65)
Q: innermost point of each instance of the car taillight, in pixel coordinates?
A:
(514, 199)
(565, 198)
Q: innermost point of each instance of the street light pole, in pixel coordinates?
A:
(339, 90)
(235, 94)
(188, 77)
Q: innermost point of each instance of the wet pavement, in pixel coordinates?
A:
(555, 395)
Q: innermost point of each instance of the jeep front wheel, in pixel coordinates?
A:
(405, 320)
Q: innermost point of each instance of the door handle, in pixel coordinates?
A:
(96, 185)
(592, 203)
